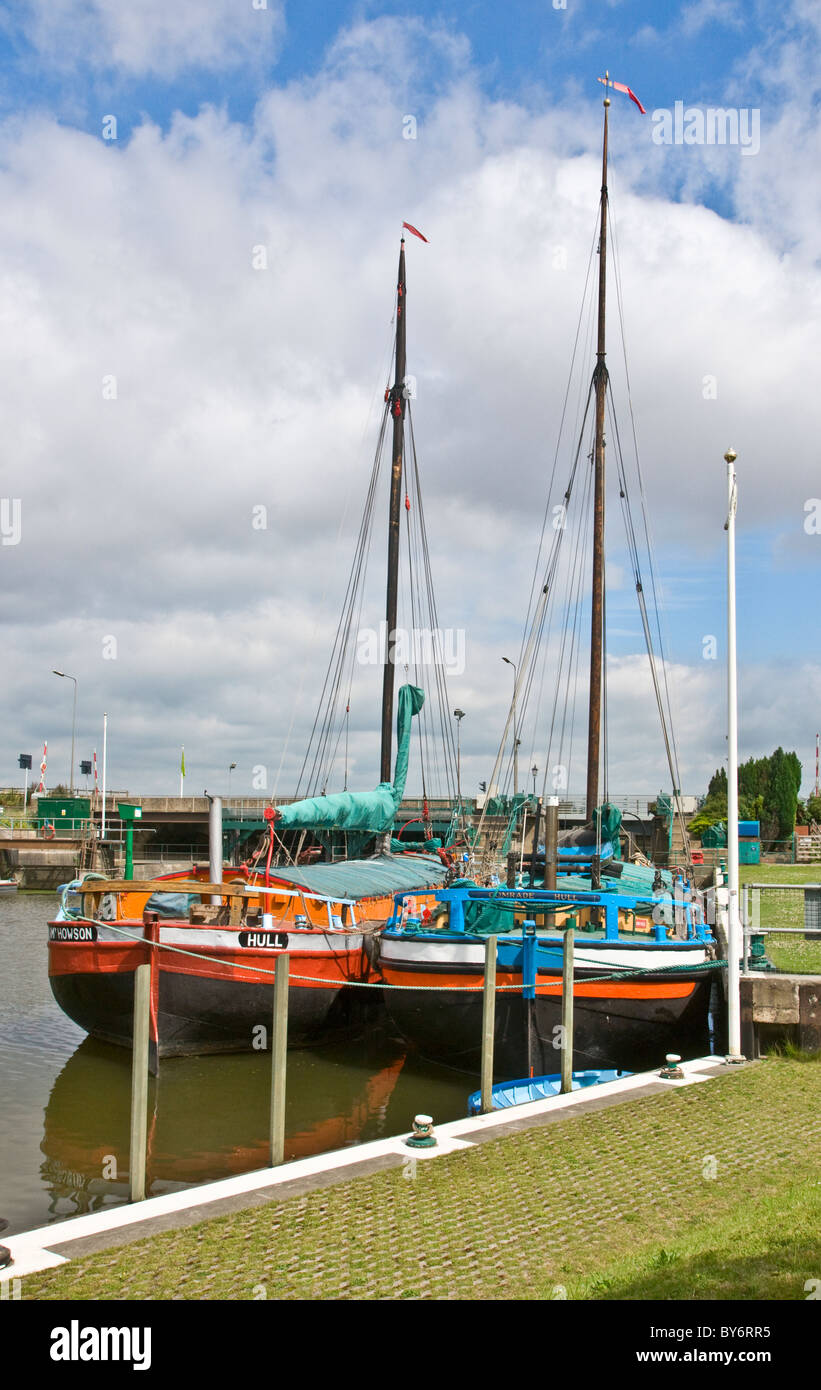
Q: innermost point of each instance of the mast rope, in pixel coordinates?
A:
(655, 586)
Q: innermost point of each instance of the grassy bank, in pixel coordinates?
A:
(709, 1191)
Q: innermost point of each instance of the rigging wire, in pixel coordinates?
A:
(297, 702)
(655, 586)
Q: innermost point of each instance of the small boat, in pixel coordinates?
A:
(507, 1093)
(8, 886)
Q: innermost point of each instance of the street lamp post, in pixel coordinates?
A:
(459, 715)
(231, 767)
(534, 771)
(515, 727)
(65, 676)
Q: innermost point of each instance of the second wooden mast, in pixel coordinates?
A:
(597, 616)
(397, 403)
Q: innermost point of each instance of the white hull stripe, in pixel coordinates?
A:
(299, 942)
(456, 955)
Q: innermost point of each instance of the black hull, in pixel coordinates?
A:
(632, 1034)
(199, 1015)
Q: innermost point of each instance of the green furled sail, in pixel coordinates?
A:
(373, 812)
(608, 817)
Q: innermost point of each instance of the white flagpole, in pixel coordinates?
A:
(105, 736)
(182, 774)
(733, 922)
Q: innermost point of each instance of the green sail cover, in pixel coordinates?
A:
(374, 811)
(610, 818)
(417, 846)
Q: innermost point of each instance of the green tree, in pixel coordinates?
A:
(785, 782)
(767, 792)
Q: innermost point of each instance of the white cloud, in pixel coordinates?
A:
(238, 387)
(152, 37)
(697, 15)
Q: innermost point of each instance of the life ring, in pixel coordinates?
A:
(47, 830)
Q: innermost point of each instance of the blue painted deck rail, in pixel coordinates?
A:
(534, 901)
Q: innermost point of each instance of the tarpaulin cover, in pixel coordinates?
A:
(365, 878)
(608, 818)
(370, 811)
(421, 846)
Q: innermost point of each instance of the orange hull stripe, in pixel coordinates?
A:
(606, 989)
(89, 959)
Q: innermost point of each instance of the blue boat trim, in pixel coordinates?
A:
(541, 900)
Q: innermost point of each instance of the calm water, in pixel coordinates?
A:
(64, 1098)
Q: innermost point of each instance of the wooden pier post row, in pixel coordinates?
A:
(139, 1083)
(279, 1053)
(488, 1024)
(567, 1009)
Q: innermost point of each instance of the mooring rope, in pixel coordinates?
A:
(618, 972)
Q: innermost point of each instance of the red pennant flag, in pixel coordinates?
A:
(415, 231)
(620, 87)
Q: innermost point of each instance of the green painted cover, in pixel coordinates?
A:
(610, 818)
(366, 878)
(374, 811)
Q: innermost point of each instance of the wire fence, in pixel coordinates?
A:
(788, 917)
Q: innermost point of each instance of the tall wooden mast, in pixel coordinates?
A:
(597, 618)
(397, 400)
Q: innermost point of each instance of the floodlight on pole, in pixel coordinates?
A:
(515, 726)
(65, 676)
(458, 715)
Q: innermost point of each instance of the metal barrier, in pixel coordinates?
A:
(778, 909)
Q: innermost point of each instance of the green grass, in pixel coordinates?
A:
(792, 1052)
(779, 873)
(791, 954)
(705, 1192)
(767, 1250)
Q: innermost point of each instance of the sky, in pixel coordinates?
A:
(200, 207)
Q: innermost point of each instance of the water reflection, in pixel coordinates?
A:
(209, 1116)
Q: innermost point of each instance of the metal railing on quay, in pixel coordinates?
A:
(778, 910)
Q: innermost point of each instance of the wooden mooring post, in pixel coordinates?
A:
(567, 1009)
(488, 1024)
(279, 1055)
(139, 1082)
